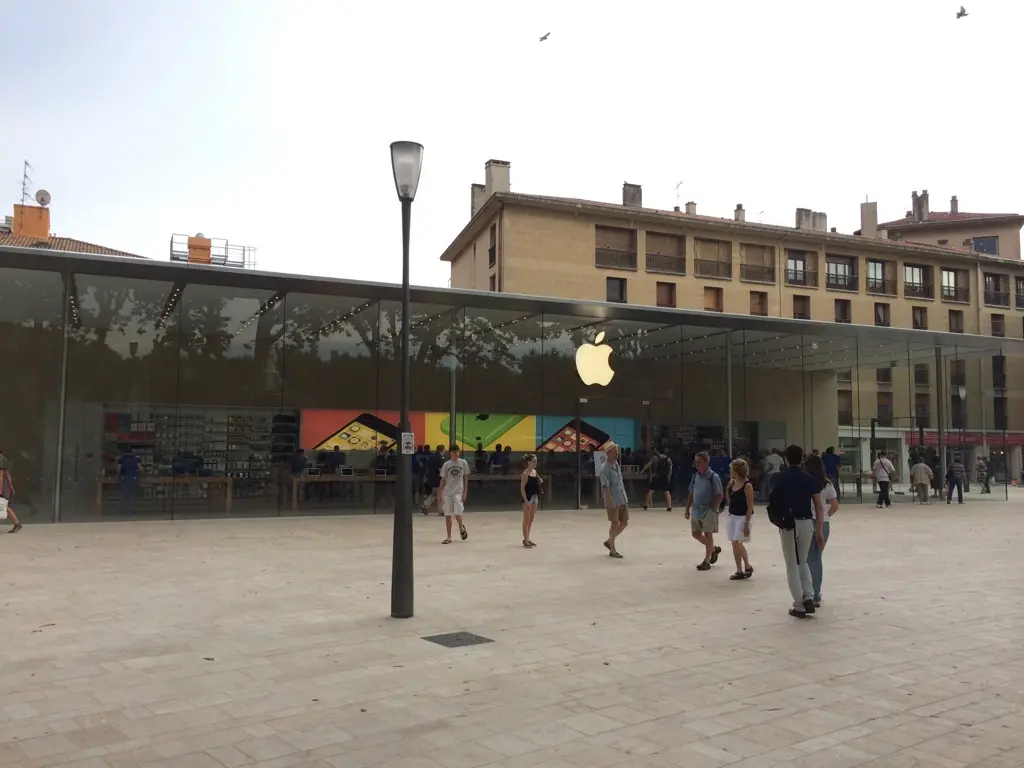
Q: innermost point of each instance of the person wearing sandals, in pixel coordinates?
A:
(613, 492)
(702, 506)
(451, 496)
(829, 504)
(741, 507)
(529, 488)
(7, 492)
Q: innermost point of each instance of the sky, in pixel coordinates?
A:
(268, 122)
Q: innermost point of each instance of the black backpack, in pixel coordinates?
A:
(661, 468)
(780, 512)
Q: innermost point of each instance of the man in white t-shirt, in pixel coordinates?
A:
(885, 474)
(451, 495)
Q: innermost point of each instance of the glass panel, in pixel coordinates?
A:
(32, 313)
(121, 441)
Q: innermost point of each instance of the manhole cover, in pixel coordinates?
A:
(458, 639)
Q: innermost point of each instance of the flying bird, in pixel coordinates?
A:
(961, 13)
(546, 36)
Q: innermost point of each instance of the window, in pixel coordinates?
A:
(998, 372)
(998, 325)
(957, 411)
(666, 294)
(956, 321)
(492, 250)
(757, 263)
(943, 242)
(1019, 291)
(666, 254)
(844, 311)
(917, 282)
(921, 376)
(800, 268)
(988, 244)
(713, 258)
(492, 283)
(615, 248)
(759, 303)
(878, 281)
(999, 412)
(841, 273)
(802, 307)
(920, 318)
(884, 409)
(997, 290)
(957, 373)
(882, 316)
(615, 289)
(844, 375)
(955, 284)
(845, 401)
(883, 375)
(712, 299)
(922, 408)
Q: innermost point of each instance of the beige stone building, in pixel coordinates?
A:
(931, 270)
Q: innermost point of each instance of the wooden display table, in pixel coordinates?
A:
(152, 482)
(298, 480)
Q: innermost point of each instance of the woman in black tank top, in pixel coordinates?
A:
(741, 507)
(530, 489)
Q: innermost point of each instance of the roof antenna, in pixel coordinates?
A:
(26, 183)
(677, 194)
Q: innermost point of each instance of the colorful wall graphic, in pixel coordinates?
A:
(321, 430)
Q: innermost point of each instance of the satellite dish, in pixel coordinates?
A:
(43, 197)
(200, 234)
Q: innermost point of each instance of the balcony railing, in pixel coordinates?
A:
(885, 417)
(918, 291)
(922, 379)
(844, 377)
(881, 286)
(997, 299)
(757, 273)
(666, 265)
(612, 258)
(843, 319)
(1020, 299)
(842, 282)
(705, 268)
(802, 277)
(846, 418)
(491, 256)
(956, 293)
(922, 420)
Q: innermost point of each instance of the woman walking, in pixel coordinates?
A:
(529, 488)
(7, 492)
(741, 506)
(829, 504)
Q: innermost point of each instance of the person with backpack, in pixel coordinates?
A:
(660, 469)
(795, 508)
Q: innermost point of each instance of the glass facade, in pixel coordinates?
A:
(162, 391)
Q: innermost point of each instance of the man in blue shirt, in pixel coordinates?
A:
(702, 504)
(832, 462)
(128, 479)
(800, 493)
(613, 491)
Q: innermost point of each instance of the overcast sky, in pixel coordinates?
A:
(267, 122)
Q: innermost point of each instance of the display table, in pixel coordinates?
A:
(153, 482)
(298, 480)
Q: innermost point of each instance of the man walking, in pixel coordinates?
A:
(702, 504)
(955, 479)
(833, 461)
(793, 497)
(885, 475)
(613, 491)
(451, 496)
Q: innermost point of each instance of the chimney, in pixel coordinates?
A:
(496, 176)
(739, 214)
(804, 218)
(199, 249)
(819, 221)
(869, 220)
(954, 205)
(691, 208)
(31, 221)
(676, 209)
(923, 202)
(477, 198)
(833, 230)
(632, 195)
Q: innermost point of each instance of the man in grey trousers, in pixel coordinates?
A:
(799, 492)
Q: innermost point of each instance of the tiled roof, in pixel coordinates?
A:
(945, 217)
(66, 244)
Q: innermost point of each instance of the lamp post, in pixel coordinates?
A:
(406, 163)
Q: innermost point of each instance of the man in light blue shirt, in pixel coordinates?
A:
(702, 505)
(613, 492)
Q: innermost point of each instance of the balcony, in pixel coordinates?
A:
(719, 269)
(839, 282)
(997, 299)
(956, 293)
(846, 418)
(804, 278)
(918, 291)
(1020, 300)
(492, 256)
(844, 376)
(666, 265)
(922, 420)
(885, 417)
(612, 258)
(757, 273)
(881, 286)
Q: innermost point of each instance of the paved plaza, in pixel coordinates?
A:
(224, 643)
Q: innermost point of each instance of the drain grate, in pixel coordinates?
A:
(458, 639)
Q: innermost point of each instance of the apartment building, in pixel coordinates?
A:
(931, 270)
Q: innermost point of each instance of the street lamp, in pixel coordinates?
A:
(406, 164)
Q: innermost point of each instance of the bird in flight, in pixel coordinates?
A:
(961, 13)
(545, 37)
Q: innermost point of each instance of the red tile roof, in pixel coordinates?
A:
(945, 217)
(66, 244)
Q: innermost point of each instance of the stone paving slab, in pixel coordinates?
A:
(224, 643)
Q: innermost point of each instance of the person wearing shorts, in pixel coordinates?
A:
(702, 505)
(451, 495)
(660, 469)
(613, 491)
(741, 508)
(529, 488)
(7, 492)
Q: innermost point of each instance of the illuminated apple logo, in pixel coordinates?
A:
(592, 362)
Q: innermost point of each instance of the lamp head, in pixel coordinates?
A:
(406, 164)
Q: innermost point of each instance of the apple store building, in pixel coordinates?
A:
(136, 389)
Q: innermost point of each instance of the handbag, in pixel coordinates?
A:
(3, 508)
